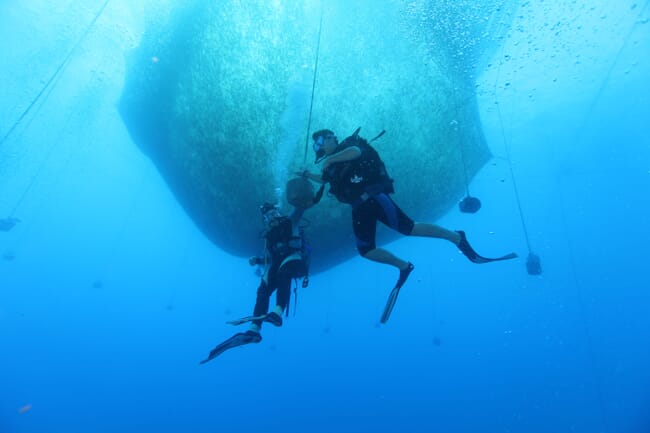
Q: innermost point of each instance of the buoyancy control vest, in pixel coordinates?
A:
(349, 180)
(285, 247)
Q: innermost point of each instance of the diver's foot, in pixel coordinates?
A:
(273, 318)
(251, 336)
(404, 274)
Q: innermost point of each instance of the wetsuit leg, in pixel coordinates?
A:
(364, 225)
(283, 284)
(264, 292)
(392, 216)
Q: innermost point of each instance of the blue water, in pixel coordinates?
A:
(109, 295)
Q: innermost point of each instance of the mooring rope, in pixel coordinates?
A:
(597, 377)
(508, 159)
(55, 74)
(313, 84)
(47, 91)
(608, 75)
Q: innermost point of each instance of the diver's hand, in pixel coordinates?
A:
(254, 260)
(309, 175)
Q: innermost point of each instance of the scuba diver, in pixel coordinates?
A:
(286, 258)
(357, 176)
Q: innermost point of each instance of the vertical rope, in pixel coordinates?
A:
(589, 339)
(313, 84)
(468, 204)
(508, 159)
(597, 379)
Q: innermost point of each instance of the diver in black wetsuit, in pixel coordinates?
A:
(358, 177)
(286, 257)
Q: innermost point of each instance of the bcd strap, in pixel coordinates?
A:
(295, 299)
(356, 133)
(305, 283)
(295, 296)
(379, 135)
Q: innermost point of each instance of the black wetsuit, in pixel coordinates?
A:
(288, 257)
(379, 207)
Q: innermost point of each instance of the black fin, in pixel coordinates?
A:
(392, 298)
(236, 340)
(245, 320)
(473, 256)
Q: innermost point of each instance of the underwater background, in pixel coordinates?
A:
(110, 295)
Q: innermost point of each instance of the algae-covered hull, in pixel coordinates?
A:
(218, 95)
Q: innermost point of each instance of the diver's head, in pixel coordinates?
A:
(324, 143)
(269, 212)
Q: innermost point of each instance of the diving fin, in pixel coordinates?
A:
(272, 318)
(238, 339)
(392, 298)
(473, 256)
(246, 320)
